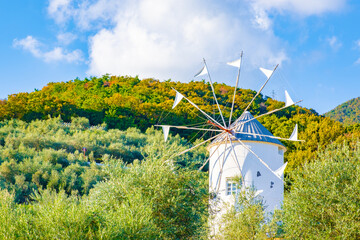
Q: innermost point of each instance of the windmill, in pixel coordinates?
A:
(243, 147)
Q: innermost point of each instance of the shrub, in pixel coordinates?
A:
(325, 197)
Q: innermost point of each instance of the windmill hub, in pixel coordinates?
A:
(220, 127)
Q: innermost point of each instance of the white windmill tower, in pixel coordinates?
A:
(242, 148)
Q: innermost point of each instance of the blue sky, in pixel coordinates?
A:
(316, 43)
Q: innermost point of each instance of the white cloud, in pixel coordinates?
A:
(60, 10)
(261, 18)
(334, 43)
(168, 39)
(66, 38)
(303, 8)
(86, 14)
(57, 54)
(30, 44)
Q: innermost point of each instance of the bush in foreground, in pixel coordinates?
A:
(325, 197)
(153, 199)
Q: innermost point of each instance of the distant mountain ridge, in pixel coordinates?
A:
(347, 113)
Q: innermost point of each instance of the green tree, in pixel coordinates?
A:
(324, 199)
(154, 198)
(245, 219)
(248, 219)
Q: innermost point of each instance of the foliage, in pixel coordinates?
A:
(48, 154)
(131, 185)
(324, 199)
(244, 220)
(150, 199)
(316, 131)
(166, 201)
(248, 219)
(347, 113)
(122, 102)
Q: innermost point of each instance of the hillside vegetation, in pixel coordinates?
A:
(69, 196)
(48, 154)
(347, 113)
(123, 102)
(81, 160)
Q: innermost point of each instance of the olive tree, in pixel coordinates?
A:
(324, 200)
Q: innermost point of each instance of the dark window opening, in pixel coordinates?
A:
(258, 174)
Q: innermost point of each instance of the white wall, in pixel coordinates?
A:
(249, 165)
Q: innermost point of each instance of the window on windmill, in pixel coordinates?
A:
(280, 151)
(271, 184)
(258, 174)
(231, 187)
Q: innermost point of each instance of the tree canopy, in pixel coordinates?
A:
(81, 160)
(122, 102)
(324, 199)
(347, 113)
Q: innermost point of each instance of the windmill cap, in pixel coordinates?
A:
(249, 129)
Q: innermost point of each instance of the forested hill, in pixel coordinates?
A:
(65, 177)
(122, 102)
(347, 113)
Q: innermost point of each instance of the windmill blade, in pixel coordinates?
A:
(236, 63)
(262, 161)
(236, 85)
(178, 98)
(208, 159)
(190, 128)
(217, 161)
(273, 111)
(279, 138)
(225, 154)
(213, 91)
(211, 173)
(206, 115)
(267, 72)
(236, 161)
(262, 87)
(294, 135)
(166, 130)
(258, 192)
(218, 182)
(232, 150)
(288, 100)
(280, 170)
(203, 142)
(262, 135)
(203, 71)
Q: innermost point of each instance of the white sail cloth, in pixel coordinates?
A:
(203, 71)
(235, 63)
(280, 170)
(288, 100)
(294, 134)
(267, 72)
(166, 130)
(178, 98)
